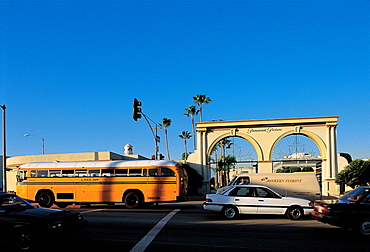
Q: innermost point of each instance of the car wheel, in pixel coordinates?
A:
(364, 227)
(23, 241)
(230, 212)
(295, 213)
(45, 199)
(132, 200)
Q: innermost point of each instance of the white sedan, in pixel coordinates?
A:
(256, 199)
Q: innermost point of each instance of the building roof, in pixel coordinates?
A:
(14, 162)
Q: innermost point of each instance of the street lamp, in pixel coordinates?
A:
(42, 140)
(3, 170)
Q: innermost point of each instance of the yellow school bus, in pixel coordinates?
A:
(131, 182)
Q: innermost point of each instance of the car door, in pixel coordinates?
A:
(269, 202)
(243, 198)
(364, 208)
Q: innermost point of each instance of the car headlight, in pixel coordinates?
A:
(53, 226)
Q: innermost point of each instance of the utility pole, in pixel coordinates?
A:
(3, 170)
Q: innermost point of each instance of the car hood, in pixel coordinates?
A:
(38, 213)
(296, 200)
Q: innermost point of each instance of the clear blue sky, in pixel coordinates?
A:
(69, 70)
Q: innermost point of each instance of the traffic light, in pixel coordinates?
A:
(161, 157)
(136, 110)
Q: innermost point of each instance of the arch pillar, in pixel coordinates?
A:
(329, 187)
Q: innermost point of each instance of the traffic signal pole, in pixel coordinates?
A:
(157, 139)
(137, 113)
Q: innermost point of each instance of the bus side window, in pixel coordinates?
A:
(67, 173)
(81, 173)
(55, 173)
(42, 173)
(93, 173)
(33, 173)
(167, 172)
(145, 172)
(153, 172)
(107, 173)
(121, 172)
(135, 172)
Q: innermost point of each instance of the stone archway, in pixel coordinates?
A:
(264, 135)
(251, 140)
(315, 138)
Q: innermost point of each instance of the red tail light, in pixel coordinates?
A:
(209, 200)
(322, 208)
(326, 210)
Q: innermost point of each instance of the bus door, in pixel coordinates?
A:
(167, 184)
(153, 184)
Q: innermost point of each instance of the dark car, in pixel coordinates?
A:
(352, 211)
(25, 226)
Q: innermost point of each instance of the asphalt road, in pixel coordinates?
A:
(190, 228)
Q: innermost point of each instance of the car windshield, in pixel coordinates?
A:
(11, 201)
(232, 181)
(227, 191)
(355, 195)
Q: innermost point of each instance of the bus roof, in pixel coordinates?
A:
(98, 164)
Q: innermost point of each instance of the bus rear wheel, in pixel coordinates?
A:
(132, 200)
(45, 199)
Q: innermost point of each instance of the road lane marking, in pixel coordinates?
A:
(149, 237)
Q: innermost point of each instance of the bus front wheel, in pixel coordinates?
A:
(45, 199)
(132, 200)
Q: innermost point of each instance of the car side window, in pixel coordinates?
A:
(262, 192)
(242, 192)
(246, 192)
(367, 200)
(7, 202)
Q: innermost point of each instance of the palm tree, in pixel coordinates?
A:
(220, 174)
(185, 135)
(166, 123)
(224, 144)
(225, 164)
(200, 100)
(192, 111)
